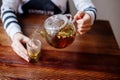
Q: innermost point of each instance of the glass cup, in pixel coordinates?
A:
(34, 49)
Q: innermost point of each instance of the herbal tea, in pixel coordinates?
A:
(33, 54)
(62, 38)
(34, 49)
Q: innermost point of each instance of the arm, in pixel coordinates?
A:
(86, 15)
(9, 19)
(8, 15)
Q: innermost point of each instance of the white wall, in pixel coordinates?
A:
(110, 10)
(107, 10)
(72, 7)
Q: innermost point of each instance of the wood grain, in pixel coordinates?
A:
(93, 56)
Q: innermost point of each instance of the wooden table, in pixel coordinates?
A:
(93, 56)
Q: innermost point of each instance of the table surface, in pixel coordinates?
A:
(92, 56)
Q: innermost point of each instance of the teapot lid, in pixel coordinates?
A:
(56, 22)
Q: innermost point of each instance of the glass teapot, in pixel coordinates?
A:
(59, 30)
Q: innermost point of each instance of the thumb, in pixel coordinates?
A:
(25, 39)
(79, 15)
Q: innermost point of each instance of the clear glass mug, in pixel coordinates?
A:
(59, 30)
(34, 49)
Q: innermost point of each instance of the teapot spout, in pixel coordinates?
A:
(42, 33)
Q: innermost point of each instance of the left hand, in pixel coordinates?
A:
(83, 22)
(17, 44)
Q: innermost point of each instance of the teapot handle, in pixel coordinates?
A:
(70, 20)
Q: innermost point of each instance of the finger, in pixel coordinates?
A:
(16, 48)
(84, 26)
(83, 29)
(81, 33)
(79, 15)
(83, 22)
(20, 46)
(25, 39)
(21, 54)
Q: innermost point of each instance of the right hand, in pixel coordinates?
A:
(84, 22)
(17, 44)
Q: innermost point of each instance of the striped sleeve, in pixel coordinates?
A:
(9, 18)
(86, 6)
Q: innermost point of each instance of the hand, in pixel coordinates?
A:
(17, 44)
(84, 22)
